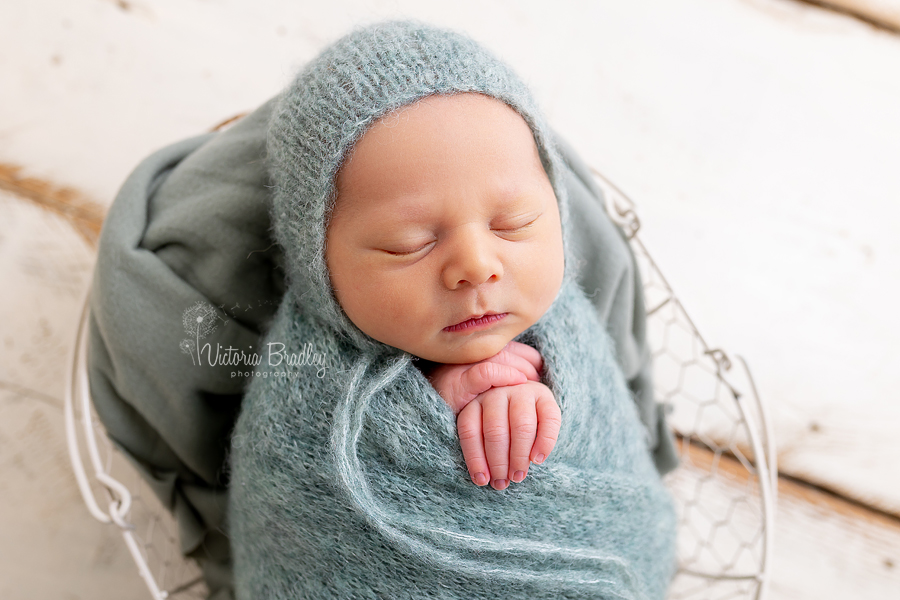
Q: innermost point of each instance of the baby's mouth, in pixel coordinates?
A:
(476, 322)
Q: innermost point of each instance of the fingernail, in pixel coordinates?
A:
(519, 476)
(480, 478)
(539, 458)
(500, 484)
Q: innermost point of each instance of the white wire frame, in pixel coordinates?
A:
(725, 488)
(148, 529)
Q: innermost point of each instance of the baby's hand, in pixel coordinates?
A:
(505, 429)
(498, 435)
(460, 384)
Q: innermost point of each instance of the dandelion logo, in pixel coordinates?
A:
(199, 321)
(188, 347)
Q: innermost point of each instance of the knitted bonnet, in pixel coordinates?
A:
(331, 104)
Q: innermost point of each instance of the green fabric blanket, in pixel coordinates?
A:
(191, 225)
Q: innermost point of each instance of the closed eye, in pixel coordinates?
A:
(519, 228)
(405, 252)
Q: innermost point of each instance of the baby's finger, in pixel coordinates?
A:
(530, 354)
(468, 426)
(505, 357)
(495, 424)
(484, 375)
(549, 421)
(522, 431)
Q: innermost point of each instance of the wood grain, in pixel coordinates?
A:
(825, 546)
(85, 215)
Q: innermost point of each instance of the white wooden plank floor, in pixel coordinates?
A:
(50, 547)
(758, 137)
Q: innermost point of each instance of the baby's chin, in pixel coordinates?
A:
(470, 352)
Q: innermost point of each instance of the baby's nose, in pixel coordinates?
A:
(473, 259)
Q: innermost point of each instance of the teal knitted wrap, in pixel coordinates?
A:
(354, 486)
(347, 476)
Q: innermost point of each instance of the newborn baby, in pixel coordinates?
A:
(445, 242)
(419, 205)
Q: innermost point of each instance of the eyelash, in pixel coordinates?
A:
(420, 248)
(408, 253)
(517, 229)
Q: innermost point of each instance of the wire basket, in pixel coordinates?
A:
(724, 490)
(116, 494)
(726, 486)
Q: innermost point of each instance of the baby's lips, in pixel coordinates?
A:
(475, 320)
(462, 321)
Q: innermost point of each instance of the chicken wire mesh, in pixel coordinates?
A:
(724, 489)
(726, 484)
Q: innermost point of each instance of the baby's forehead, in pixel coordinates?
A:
(455, 144)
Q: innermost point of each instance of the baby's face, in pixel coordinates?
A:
(445, 240)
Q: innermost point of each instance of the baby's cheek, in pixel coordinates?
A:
(395, 313)
(406, 303)
(397, 308)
